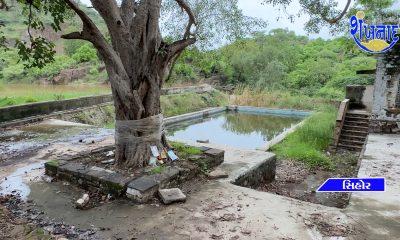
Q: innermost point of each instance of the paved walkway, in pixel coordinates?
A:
(379, 213)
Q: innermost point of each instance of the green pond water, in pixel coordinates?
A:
(239, 130)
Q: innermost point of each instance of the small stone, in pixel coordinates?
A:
(47, 179)
(172, 195)
(111, 161)
(245, 232)
(110, 154)
(217, 174)
(215, 152)
(83, 201)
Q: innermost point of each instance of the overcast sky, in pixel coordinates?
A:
(270, 14)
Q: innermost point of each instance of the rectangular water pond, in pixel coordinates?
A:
(242, 130)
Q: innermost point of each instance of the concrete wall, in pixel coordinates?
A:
(360, 96)
(41, 108)
(44, 108)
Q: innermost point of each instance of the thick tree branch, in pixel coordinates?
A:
(128, 11)
(109, 11)
(340, 16)
(192, 20)
(73, 35)
(180, 45)
(111, 59)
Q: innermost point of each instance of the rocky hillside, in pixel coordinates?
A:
(75, 60)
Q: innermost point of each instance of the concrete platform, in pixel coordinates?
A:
(379, 213)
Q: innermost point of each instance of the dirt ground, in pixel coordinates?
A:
(13, 227)
(294, 179)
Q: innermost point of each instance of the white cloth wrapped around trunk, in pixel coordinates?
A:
(142, 130)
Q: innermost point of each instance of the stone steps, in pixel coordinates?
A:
(354, 131)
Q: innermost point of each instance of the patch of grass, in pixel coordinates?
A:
(16, 94)
(309, 143)
(31, 100)
(59, 97)
(109, 125)
(157, 170)
(33, 233)
(277, 99)
(7, 101)
(173, 105)
(53, 163)
(185, 151)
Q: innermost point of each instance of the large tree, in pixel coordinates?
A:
(137, 57)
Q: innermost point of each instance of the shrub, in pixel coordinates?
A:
(185, 70)
(85, 53)
(331, 93)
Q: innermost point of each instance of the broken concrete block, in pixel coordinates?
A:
(172, 195)
(83, 201)
(203, 148)
(217, 174)
(47, 179)
(111, 161)
(110, 154)
(215, 152)
(142, 189)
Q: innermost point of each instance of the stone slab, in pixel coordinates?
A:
(203, 148)
(217, 174)
(169, 196)
(73, 168)
(143, 184)
(144, 188)
(215, 152)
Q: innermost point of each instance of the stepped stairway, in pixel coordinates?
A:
(354, 131)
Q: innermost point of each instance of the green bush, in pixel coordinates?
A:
(52, 69)
(7, 101)
(331, 93)
(85, 53)
(185, 70)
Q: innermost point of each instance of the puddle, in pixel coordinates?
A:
(17, 181)
(34, 137)
(240, 130)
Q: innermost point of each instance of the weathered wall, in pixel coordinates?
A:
(360, 96)
(41, 108)
(386, 92)
(44, 108)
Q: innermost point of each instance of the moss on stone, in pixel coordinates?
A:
(115, 188)
(157, 170)
(185, 151)
(53, 163)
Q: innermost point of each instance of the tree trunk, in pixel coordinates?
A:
(137, 62)
(136, 131)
